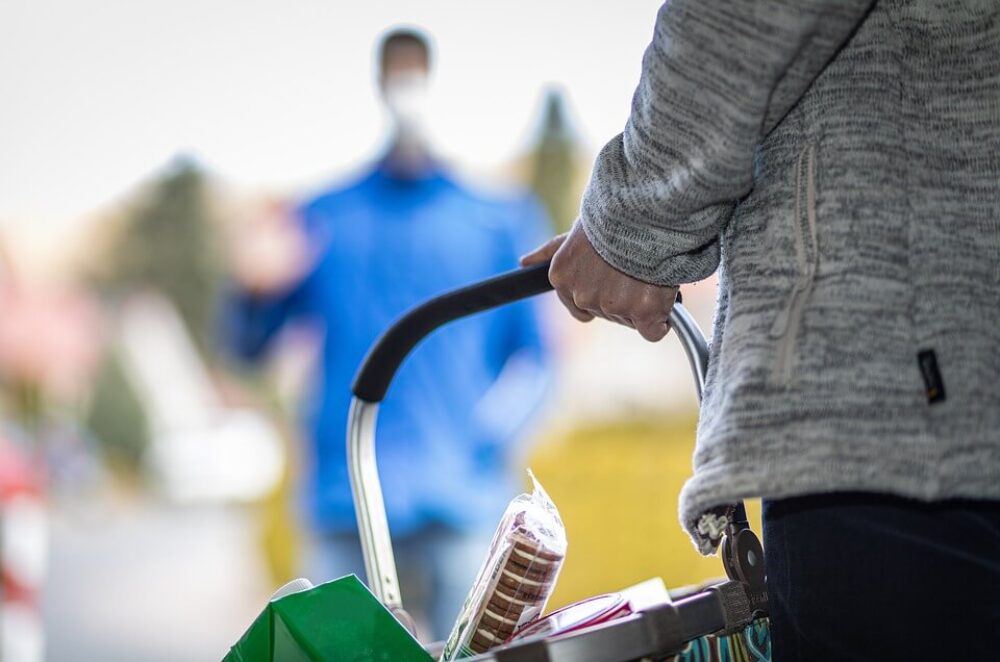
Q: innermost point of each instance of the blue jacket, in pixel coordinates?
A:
(391, 244)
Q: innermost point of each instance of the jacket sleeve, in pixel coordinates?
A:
(249, 322)
(717, 77)
(516, 346)
(519, 328)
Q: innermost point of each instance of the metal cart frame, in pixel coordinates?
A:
(660, 631)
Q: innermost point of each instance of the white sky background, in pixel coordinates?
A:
(96, 95)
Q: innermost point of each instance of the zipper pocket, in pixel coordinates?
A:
(787, 325)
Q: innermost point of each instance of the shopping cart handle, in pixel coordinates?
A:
(387, 354)
(385, 357)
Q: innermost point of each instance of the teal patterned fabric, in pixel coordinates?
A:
(752, 644)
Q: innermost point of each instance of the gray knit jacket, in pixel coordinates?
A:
(839, 163)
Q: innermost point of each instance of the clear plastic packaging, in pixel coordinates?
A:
(517, 578)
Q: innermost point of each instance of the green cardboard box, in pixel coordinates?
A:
(338, 621)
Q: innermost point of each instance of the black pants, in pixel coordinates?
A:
(870, 577)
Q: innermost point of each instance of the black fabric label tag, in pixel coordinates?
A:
(932, 376)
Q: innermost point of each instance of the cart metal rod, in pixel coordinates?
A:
(373, 526)
(694, 344)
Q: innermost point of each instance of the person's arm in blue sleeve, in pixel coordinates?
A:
(517, 342)
(521, 330)
(249, 320)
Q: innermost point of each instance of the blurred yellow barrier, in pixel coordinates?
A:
(279, 535)
(616, 486)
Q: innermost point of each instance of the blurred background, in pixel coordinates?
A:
(147, 480)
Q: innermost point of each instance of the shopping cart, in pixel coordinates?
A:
(658, 632)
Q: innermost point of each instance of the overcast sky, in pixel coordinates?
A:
(99, 94)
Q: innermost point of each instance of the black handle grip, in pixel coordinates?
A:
(388, 352)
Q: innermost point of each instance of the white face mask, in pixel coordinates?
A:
(406, 97)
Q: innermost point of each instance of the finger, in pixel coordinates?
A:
(651, 306)
(543, 252)
(624, 321)
(653, 331)
(596, 314)
(581, 315)
(587, 303)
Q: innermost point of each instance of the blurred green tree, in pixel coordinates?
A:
(168, 245)
(116, 417)
(555, 163)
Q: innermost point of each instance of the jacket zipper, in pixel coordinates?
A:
(787, 325)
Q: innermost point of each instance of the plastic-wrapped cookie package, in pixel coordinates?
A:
(517, 578)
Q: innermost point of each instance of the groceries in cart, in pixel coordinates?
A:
(516, 579)
(577, 616)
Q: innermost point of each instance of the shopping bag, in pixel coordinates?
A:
(751, 644)
(340, 620)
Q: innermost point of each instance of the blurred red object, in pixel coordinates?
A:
(22, 507)
(23, 551)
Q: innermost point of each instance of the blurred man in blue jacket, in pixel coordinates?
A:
(361, 255)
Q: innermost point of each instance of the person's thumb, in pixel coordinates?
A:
(543, 252)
